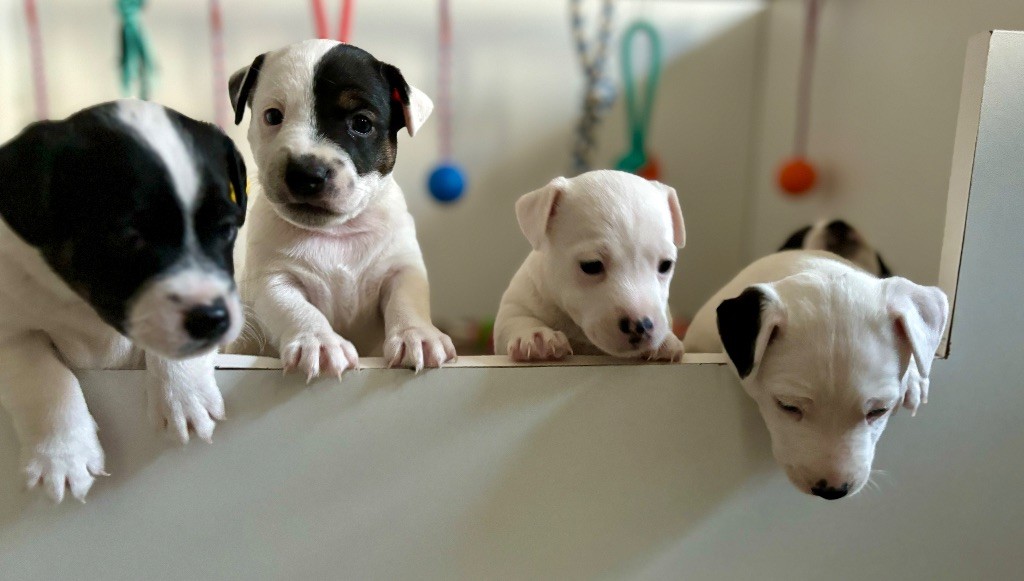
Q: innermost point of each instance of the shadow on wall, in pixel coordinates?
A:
(568, 492)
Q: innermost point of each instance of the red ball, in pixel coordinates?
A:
(797, 176)
(650, 170)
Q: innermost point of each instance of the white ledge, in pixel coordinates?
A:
(253, 362)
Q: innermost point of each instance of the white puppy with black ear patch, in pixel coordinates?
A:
(333, 267)
(828, 352)
(597, 281)
(115, 251)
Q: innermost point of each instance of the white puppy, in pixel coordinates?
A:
(828, 352)
(597, 280)
(115, 250)
(331, 246)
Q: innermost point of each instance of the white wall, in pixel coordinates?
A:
(516, 92)
(885, 106)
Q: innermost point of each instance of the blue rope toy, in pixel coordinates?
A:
(137, 65)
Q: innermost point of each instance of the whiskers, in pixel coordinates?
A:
(875, 479)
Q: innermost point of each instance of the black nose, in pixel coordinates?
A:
(306, 176)
(822, 489)
(208, 321)
(637, 330)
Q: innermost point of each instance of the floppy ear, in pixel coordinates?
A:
(883, 269)
(535, 209)
(678, 227)
(796, 240)
(241, 84)
(919, 314)
(414, 104)
(748, 323)
(237, 177)
(26, 164)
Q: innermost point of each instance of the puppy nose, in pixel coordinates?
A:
(207, 321)
(306, 176)
(637, 330)
(822, 489)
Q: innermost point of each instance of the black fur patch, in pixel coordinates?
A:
(100, 205)
(349, 82)
(883, 268)
(796, 240)
(739, 322)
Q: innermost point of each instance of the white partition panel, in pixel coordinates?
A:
(566, 472)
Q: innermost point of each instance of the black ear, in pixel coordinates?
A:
(747, 324)
(796, 241)
(883, 268)
(26, 171)
(399, 95)
(241, 84)
(237, 175)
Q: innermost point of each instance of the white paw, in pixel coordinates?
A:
(64, 461)
(917, 390)
(180, 407)
(418, 347)
(539, 344)
(315, 354)
(671, 349)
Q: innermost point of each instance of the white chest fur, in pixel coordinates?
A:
(341, 274)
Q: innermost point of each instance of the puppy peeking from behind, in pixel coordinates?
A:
(333, 268)
(597, 280)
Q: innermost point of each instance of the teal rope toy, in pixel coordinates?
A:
(137, 65)
(638, 112)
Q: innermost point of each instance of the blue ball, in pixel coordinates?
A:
(446, 183)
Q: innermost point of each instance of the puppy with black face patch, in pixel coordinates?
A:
(839, 237)
(115, 251)
(333, 267)
(829, 352)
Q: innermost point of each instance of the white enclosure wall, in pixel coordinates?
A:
(885, 108)
(644, 471)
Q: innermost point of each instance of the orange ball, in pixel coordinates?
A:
(797, 176)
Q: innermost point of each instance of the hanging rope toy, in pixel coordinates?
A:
(446, 182)
(344, 24)
(220, 110)
(137, 64)
(638, 113)
(797, 176)
(599, 92)
(35, 40)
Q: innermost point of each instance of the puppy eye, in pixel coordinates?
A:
(592, 267)
(665, 266)
(790, 409)
(273, 116)
(877, 413)
(360, 125)
(227, 231)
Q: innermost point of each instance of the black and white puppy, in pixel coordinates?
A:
(333, 268)
(829, 352)
(115, 251)
(839, 237)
